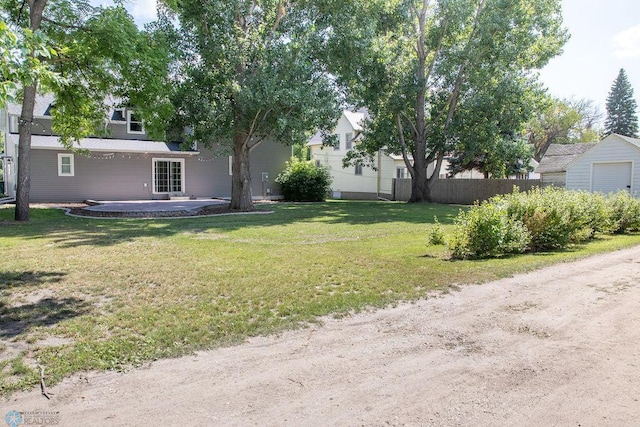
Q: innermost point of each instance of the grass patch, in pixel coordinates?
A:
(85, 294)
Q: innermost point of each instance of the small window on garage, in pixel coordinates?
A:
(65, 165)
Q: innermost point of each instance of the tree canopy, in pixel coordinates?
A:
(621, 108)
(84, 55)
(419, 66)
(15, 67)
(558, 121)
(249, 71)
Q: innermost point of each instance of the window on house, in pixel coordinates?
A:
(336, 144)
(358, 169)
(118, 115)
(348, 138)
(134, 124)
(65, 165)
(401, 172)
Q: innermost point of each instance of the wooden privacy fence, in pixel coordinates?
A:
(464, 191)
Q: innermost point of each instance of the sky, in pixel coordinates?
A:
(605, 37)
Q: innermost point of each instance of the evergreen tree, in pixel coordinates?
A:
(621, 108)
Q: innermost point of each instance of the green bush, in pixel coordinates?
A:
(624, 212)
(487, 231)
(302, 181)
(542, 219)
(591, 213)
(436, 233)
(556, 217)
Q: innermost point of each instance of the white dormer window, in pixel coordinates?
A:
(118, 115)
(134, 123)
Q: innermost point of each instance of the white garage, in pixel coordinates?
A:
(611, 165)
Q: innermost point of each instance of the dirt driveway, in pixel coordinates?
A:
(559, 346)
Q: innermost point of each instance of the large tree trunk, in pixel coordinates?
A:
(421, 184)
(420, 189)
(36, 8)
(24, 154)
(241, 199)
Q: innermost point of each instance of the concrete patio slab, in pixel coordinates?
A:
(154, 205)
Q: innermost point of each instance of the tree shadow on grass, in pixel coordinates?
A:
(15, 320)
(45, 311)
(21, 279)
(67, 232)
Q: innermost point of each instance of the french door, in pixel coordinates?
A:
(168, 176)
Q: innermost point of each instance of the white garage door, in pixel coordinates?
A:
(611, 177)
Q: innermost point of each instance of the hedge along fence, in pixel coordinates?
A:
(465, 191)
(541, 220)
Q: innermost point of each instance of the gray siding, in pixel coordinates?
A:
(557, 179)
(116, 130)
(123, 176)
(269, 157)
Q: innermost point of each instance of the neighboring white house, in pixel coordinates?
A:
(610, 165)
(359, 182)
(356, 182)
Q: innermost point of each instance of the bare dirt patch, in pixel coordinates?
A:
(559, 346)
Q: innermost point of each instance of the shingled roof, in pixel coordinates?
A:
(558, 156)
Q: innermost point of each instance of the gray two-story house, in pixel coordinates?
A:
(128, 165)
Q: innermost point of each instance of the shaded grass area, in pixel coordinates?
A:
(79, 294)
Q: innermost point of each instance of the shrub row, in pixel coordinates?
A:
(540, 220)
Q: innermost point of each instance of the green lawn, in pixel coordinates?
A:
(78, 293)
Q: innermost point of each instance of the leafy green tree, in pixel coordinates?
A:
(13, 67)
(488, 127)
(249, 73)
(563, 122)
(508, 156)
(621, 108)
(416, 62)
(83, 55)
